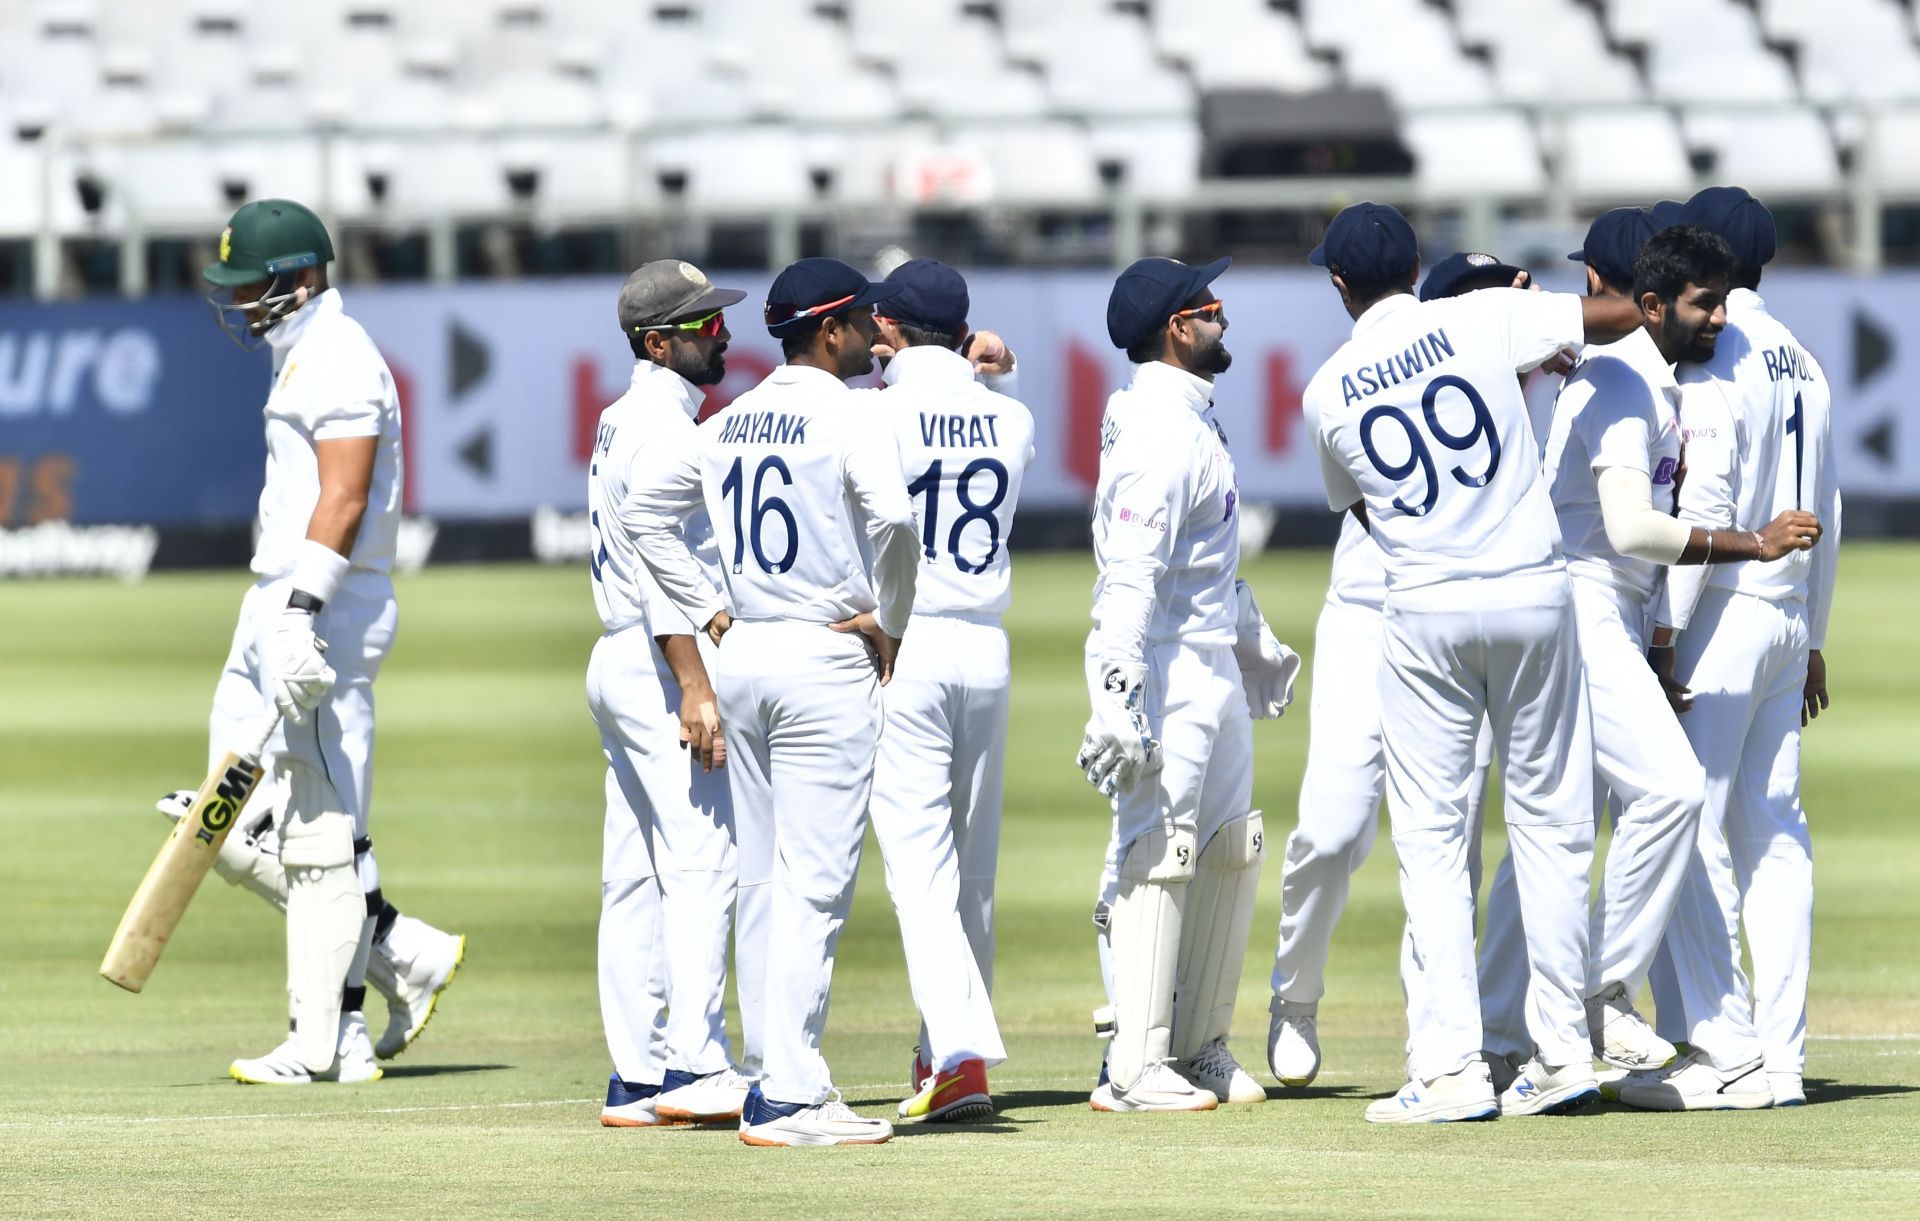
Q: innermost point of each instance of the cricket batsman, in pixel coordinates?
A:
(320, 617)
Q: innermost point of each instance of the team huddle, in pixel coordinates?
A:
(802, 599)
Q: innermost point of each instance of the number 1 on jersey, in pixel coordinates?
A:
(971, 510)
(1797, 425)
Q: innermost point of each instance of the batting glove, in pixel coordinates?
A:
(1119, 749)
(296, 665)
(1267, 667)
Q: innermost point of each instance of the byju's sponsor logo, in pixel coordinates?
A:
(1663, 473)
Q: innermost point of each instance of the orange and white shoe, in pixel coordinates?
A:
(956, 1094)
(922, 1069)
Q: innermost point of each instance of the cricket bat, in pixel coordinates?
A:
(182, 862)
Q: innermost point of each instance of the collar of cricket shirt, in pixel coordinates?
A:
(1743, 300)
(294, 326)
(1383, 309)
(660, 379)
(1159, 377)
(926, 362)
(804, 375)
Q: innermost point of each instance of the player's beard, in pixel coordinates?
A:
(1695, 346)
(710, 373)
(1211, 355)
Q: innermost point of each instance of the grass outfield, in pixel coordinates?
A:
(489, 822)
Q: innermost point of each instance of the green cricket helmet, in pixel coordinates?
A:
(268, 242)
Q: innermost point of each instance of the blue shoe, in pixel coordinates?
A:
(630, 1104)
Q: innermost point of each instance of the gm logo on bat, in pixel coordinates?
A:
(232, 793)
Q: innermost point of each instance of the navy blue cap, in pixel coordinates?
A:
(1367, 243)
(819, 288)
(1456, 273)
(1149, 292)
(931, 296)
(1614, 240)
(1730, 212)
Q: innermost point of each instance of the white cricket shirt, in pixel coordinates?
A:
(329, 382)
(1758, 417)
(658, 410)
(1165, 535)
(1619, 407)
(965, 450)
(801, 479)
(1420, 415)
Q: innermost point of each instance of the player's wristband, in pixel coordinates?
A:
(317, 571)
(301, 600)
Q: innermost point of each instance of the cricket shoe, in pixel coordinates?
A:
(921, 1069)
(1539, 1089)
(1464, 1094)
(957, 1094)
(1788, 1089)
(766, 1122)
(1692, 1083)
(353, 1061)
(1293, 1042)
(1214, 1069)
(1160, 1088)
(411, 967)
(1621, 1037)
(631, 1104)
(702, 1097)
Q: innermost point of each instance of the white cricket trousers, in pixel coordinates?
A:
(1339, 796)
(668, 863)
(1197, 709)
(323, 766)
(801, 706)
(1505, 648)
(1644, 760)
(1745, 659)
(936, 814)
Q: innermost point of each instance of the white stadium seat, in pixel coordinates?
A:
(1631, 153)
(1459, 153)
(1788, 150)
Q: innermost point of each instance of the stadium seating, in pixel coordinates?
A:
(409, 109)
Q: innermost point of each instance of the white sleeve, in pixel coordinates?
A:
(872, 472)
(1634, 527)
(664, 492)
(1148, 502)
(1343, 492)
(1534, 325)
(351, 401)
(1710, 491)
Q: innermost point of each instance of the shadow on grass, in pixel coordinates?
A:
(441, 1070)
(1821, 1090)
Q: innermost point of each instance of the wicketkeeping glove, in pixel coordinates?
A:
(1119, 749)
(1267, 667)
(296, 665)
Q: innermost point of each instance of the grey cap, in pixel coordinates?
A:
(669, 290)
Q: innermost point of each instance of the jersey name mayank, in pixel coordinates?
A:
(959, 431)
(1424, 353)
(764, 428)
